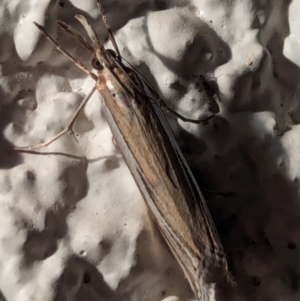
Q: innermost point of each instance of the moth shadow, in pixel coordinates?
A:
(254, 203)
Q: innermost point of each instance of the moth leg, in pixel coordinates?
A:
(183, 118)
(228, 193)
(67, 128)
(166, 107)
(161, 102)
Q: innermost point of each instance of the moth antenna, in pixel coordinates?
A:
(66, 53)
(111, 36)
(76, 35)
(69, 127)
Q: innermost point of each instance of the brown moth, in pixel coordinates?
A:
(133, 111)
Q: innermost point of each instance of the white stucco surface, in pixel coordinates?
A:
(73, 225)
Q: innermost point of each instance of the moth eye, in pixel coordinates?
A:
(96, 64)
(112, 53)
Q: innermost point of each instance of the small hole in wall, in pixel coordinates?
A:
(256, 281)
(292, 245)
(105, 245)
(62, 4)
(30, 175)
(87, 278)
(82, 253)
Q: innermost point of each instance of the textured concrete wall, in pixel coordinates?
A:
(73, 225)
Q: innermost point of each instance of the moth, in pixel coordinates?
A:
(134, 113)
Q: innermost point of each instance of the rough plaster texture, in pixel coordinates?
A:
(73, 223)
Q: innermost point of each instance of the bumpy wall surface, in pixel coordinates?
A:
(73, 225)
